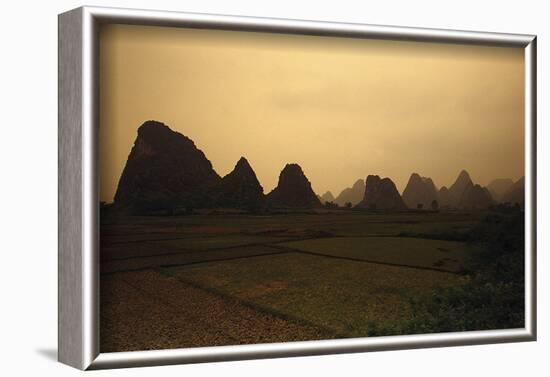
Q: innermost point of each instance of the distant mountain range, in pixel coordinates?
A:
(165, 170)
(353, 194)
(499, 187)
(464, 194)
(515, 193)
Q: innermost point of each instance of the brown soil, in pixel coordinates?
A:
(145, 310)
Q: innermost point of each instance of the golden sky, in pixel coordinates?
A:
(341, 108)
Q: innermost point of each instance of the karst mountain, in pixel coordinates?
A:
(516, 193)
(381, 194)
(326, 197)
(165, 170)
(499, 187)
(353, 194)
(465, 194)
(293, 190)
(420, 193)
(240, 188)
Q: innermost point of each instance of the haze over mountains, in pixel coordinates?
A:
(326, 197)
(165, 170)
(353, 194)
(420, 192)
(498, 187)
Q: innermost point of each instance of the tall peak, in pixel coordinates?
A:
(241, 188)
(163, 158)
(464, 175)
(242, 164)
(293, 190)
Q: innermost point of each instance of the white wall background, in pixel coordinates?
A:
(28, 187)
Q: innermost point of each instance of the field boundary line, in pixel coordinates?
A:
(290, 249)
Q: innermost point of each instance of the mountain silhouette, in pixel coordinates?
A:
(516, 193)
(293, 190)
(352, 194)
(499, 187)
(240, 188)
(459, 187)
(327, 197)
(165, 170)
(381, 194)
(475, 197)
(420, 192)
(464, 194)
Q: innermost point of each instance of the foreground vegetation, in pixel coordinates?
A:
(493, 296)
(305, 276)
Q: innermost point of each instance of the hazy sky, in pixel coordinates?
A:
(341, 108)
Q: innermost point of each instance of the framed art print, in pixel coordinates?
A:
(236, 188)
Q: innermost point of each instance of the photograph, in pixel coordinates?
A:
(261, 187)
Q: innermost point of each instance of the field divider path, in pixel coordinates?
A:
(293, 250)
(191, 251)
(328, 333)
(106, 263)
(225, 259)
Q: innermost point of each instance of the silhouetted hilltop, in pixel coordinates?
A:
(240, 188)
(516, 193)
(293, 190)
(326, 197)
(420, 192)
(459, 187)
(165, 170)
(352, 194)
(464, 194)
(475, 197)
(381, 194)
(499, 187)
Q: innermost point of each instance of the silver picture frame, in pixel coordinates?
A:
(78, 263)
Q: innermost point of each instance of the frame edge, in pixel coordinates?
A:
(70, 91)
(78, 284)
(531, 185)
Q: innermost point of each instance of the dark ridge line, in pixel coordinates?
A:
(257, 307)
(365, 260)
